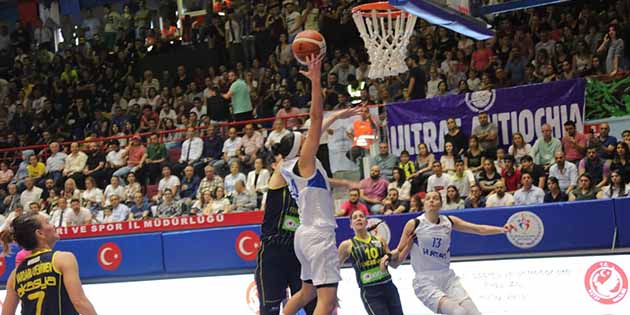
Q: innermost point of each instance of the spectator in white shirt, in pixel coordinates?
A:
(617, 187)
(58, 215)
(92, 196)
(235, 175)
(519, 147)
(438, 181)
(55, 162)
(114, 188)
(528, 194)
(115, 157)
(120, 211)
(168, 181)
(231, 147)
(31, 194)
(566, 172)
(257, 180)
(276, 134)
(75, 163)
(192, 149)
(77, 214)
(500, 198)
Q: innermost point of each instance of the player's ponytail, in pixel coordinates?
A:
(21, 230)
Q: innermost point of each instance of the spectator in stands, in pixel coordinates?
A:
(510, 174)
(448, 158)
(597, 168)
(12, 199)
(621, 161)
(519, 147)
(120, 211)
(210, 182)
(231, 147)
(615, 51)
(239, 95)
(251, 143)
(192, 149)
(75, 163)
(167, 206)
(352, 204)
(189, 185)
(78, 215)
(415, 204)
(374, 190)
(537, 172)
(438, 181)
(151, 163)
(203, 205)
(140, 209)
(70, 189)
(487, 133)
(31, 193)
(276, 133)
(213, 148)
(555, 194)
(605, 143)
(617, 188)
(288, 110)
(626, 136)
(168, 181)
(131, 188)
(6, 174)
(392, 204)
(565, 172)
(453, 199)
(115, 157)
(235, 175)
(95, 165)
(586, 189)
(475, 198)
(461, 179)
(36, 170)
(220, 202)
(114, 188)
(528, 194)
(473, 156)
(362, 131)
(400, 183)
(58, 213)
(92, 197)
(544, 148)
(500, 198)
(573, 143)
(416, 88)
(488, 177)
(133, 155)
(257, 180)
(423, 165)
(242, 200)
(408, 166)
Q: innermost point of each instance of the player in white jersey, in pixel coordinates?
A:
(314, 243)
(428, 238)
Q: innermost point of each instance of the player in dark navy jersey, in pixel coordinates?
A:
(46, 282)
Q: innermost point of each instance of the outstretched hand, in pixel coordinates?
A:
(508, 228)
(314, 71)
(349, 112)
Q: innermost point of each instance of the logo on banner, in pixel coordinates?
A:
(109, 256)
(382, 229)
(3, 265)
(606, 282)
(527, 231)
(251, 298)
(247, 244)
(481, 101)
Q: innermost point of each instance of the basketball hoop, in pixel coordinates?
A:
(385, 30)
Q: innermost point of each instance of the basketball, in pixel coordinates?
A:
(308, 43)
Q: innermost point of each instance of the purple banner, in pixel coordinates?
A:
(521, 109)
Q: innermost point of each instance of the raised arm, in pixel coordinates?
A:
(306, 162)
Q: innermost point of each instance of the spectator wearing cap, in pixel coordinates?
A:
(573, 143)
(528, 194)
(510, 174)
(537, 172)
(352, 204)
(95, 165)
(544, 149)
(565, 172)
(500, 198)
(597, 168)
(487, 133)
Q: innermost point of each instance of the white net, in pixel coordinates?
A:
(386, 38)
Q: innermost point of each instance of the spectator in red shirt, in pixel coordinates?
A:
(352, 204)
(134, 153)
(511, 175)
(573, 143)
(374, 190)
(481, 57)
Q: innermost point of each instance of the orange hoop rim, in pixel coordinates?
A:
(378, 9)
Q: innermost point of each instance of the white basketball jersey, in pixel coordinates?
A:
(431, 249)
(313, 195)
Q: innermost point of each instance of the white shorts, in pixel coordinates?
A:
(430, 287)
(317, 252)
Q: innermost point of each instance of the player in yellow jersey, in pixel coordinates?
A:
(46, 282)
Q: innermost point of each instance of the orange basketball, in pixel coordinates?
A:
(308, 43)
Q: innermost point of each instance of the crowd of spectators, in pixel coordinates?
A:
(90, 86)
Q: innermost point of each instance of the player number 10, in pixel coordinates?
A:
(371, 253)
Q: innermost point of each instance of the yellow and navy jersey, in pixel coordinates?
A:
(281, 218)
(40, 286)
(366, 258)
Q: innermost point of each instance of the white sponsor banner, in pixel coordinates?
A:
(588, 285)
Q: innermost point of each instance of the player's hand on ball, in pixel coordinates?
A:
(314, 68)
